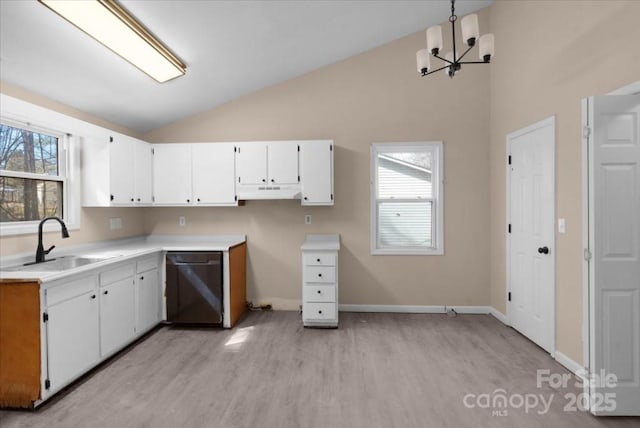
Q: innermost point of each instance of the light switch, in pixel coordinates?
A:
(562, 227)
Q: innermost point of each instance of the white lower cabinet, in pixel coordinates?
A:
(89, 318)
(147, 295)
(72, 331)
(320, 280)
(117, 315)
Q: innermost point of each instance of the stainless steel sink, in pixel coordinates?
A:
(57, 264)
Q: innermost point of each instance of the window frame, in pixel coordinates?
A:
(437, 230)
(70, 207)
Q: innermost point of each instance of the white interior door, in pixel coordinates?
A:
(614, 240)
(531, 239)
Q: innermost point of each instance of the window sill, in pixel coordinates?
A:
(31, 228)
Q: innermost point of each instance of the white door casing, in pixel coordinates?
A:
(613, 158)
(531, 240)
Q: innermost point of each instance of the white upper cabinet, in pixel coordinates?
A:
(143, 173)
(213, 173)
(122, 167)
(116, 171)
(282, 165)
(251, 163)
(316, 171)
(267, 170)
(172, 174)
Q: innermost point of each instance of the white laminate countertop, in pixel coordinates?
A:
(116, 251)
(321, 243)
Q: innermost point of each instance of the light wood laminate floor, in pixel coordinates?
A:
(376, 370)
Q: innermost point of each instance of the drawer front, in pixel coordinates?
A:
(147, 264)
(117, 274)
(67, 290)
(319, 293)
(319, 311)
(319, 259)
(322, 274)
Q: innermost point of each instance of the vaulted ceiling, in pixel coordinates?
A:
(231, 48)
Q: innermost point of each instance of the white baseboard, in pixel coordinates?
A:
(569, 364)
(499, 316)
(415, 309)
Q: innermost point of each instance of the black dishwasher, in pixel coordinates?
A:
(194, 288)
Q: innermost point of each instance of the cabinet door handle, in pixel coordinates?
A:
(305, 198)
(319, 292)
(272, 180)
(320, 312)
(318, 260)
(138, 199)
(142, 278)
(93, 296)
(188, 200)
(198, 199)
(131, 199)
(264, 181)
(106, 292)
(319, 275)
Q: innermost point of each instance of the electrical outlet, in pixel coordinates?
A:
(182, 221)
(115, 223)
(307, 219)
(562, 226)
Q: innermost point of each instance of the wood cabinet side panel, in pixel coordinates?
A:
(237, 281)
(19, 344)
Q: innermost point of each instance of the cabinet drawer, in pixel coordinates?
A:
(147, 264)
(322, 274)
(117, 274)
(319, 259)
(319, 293)
(67, 290)
(319, 311)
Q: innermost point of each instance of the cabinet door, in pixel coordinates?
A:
(172, 174)
(316, 170)
(283, 162)
(148, 300)
(117, 315)
(143, 172)
(121, 170)
(213, 173)
(251, 163)
(72, 338)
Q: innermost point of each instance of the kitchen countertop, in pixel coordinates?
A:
(321, 243)
(114, 252)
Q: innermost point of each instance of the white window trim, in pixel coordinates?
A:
(438, 198)
(68, 174)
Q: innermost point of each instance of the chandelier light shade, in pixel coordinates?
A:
(110, 24)
(452, 62)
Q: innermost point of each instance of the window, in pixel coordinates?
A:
(32, 174)
(406, 198)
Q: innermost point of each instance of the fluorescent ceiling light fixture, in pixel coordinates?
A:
(107, 22)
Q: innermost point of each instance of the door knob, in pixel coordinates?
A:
(543, 250)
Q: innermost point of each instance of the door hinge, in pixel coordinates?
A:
(45, 317)
(332, 196)
(509, 296)
(112, 197)
(153, 151)
(111, 139)
(153, 199)
(238, 179)
(330, 147)
(509, 159)
(298, 148)
(235, 197)
(509, 228)
(586, 132)
(587, 254)
(298, 179)
(47, 384)
(235, 149)
(238, 149)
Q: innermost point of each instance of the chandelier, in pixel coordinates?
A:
(453, 62)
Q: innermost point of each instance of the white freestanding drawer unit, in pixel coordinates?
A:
(320, 280)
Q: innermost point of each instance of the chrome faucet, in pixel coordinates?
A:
(40, 252)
